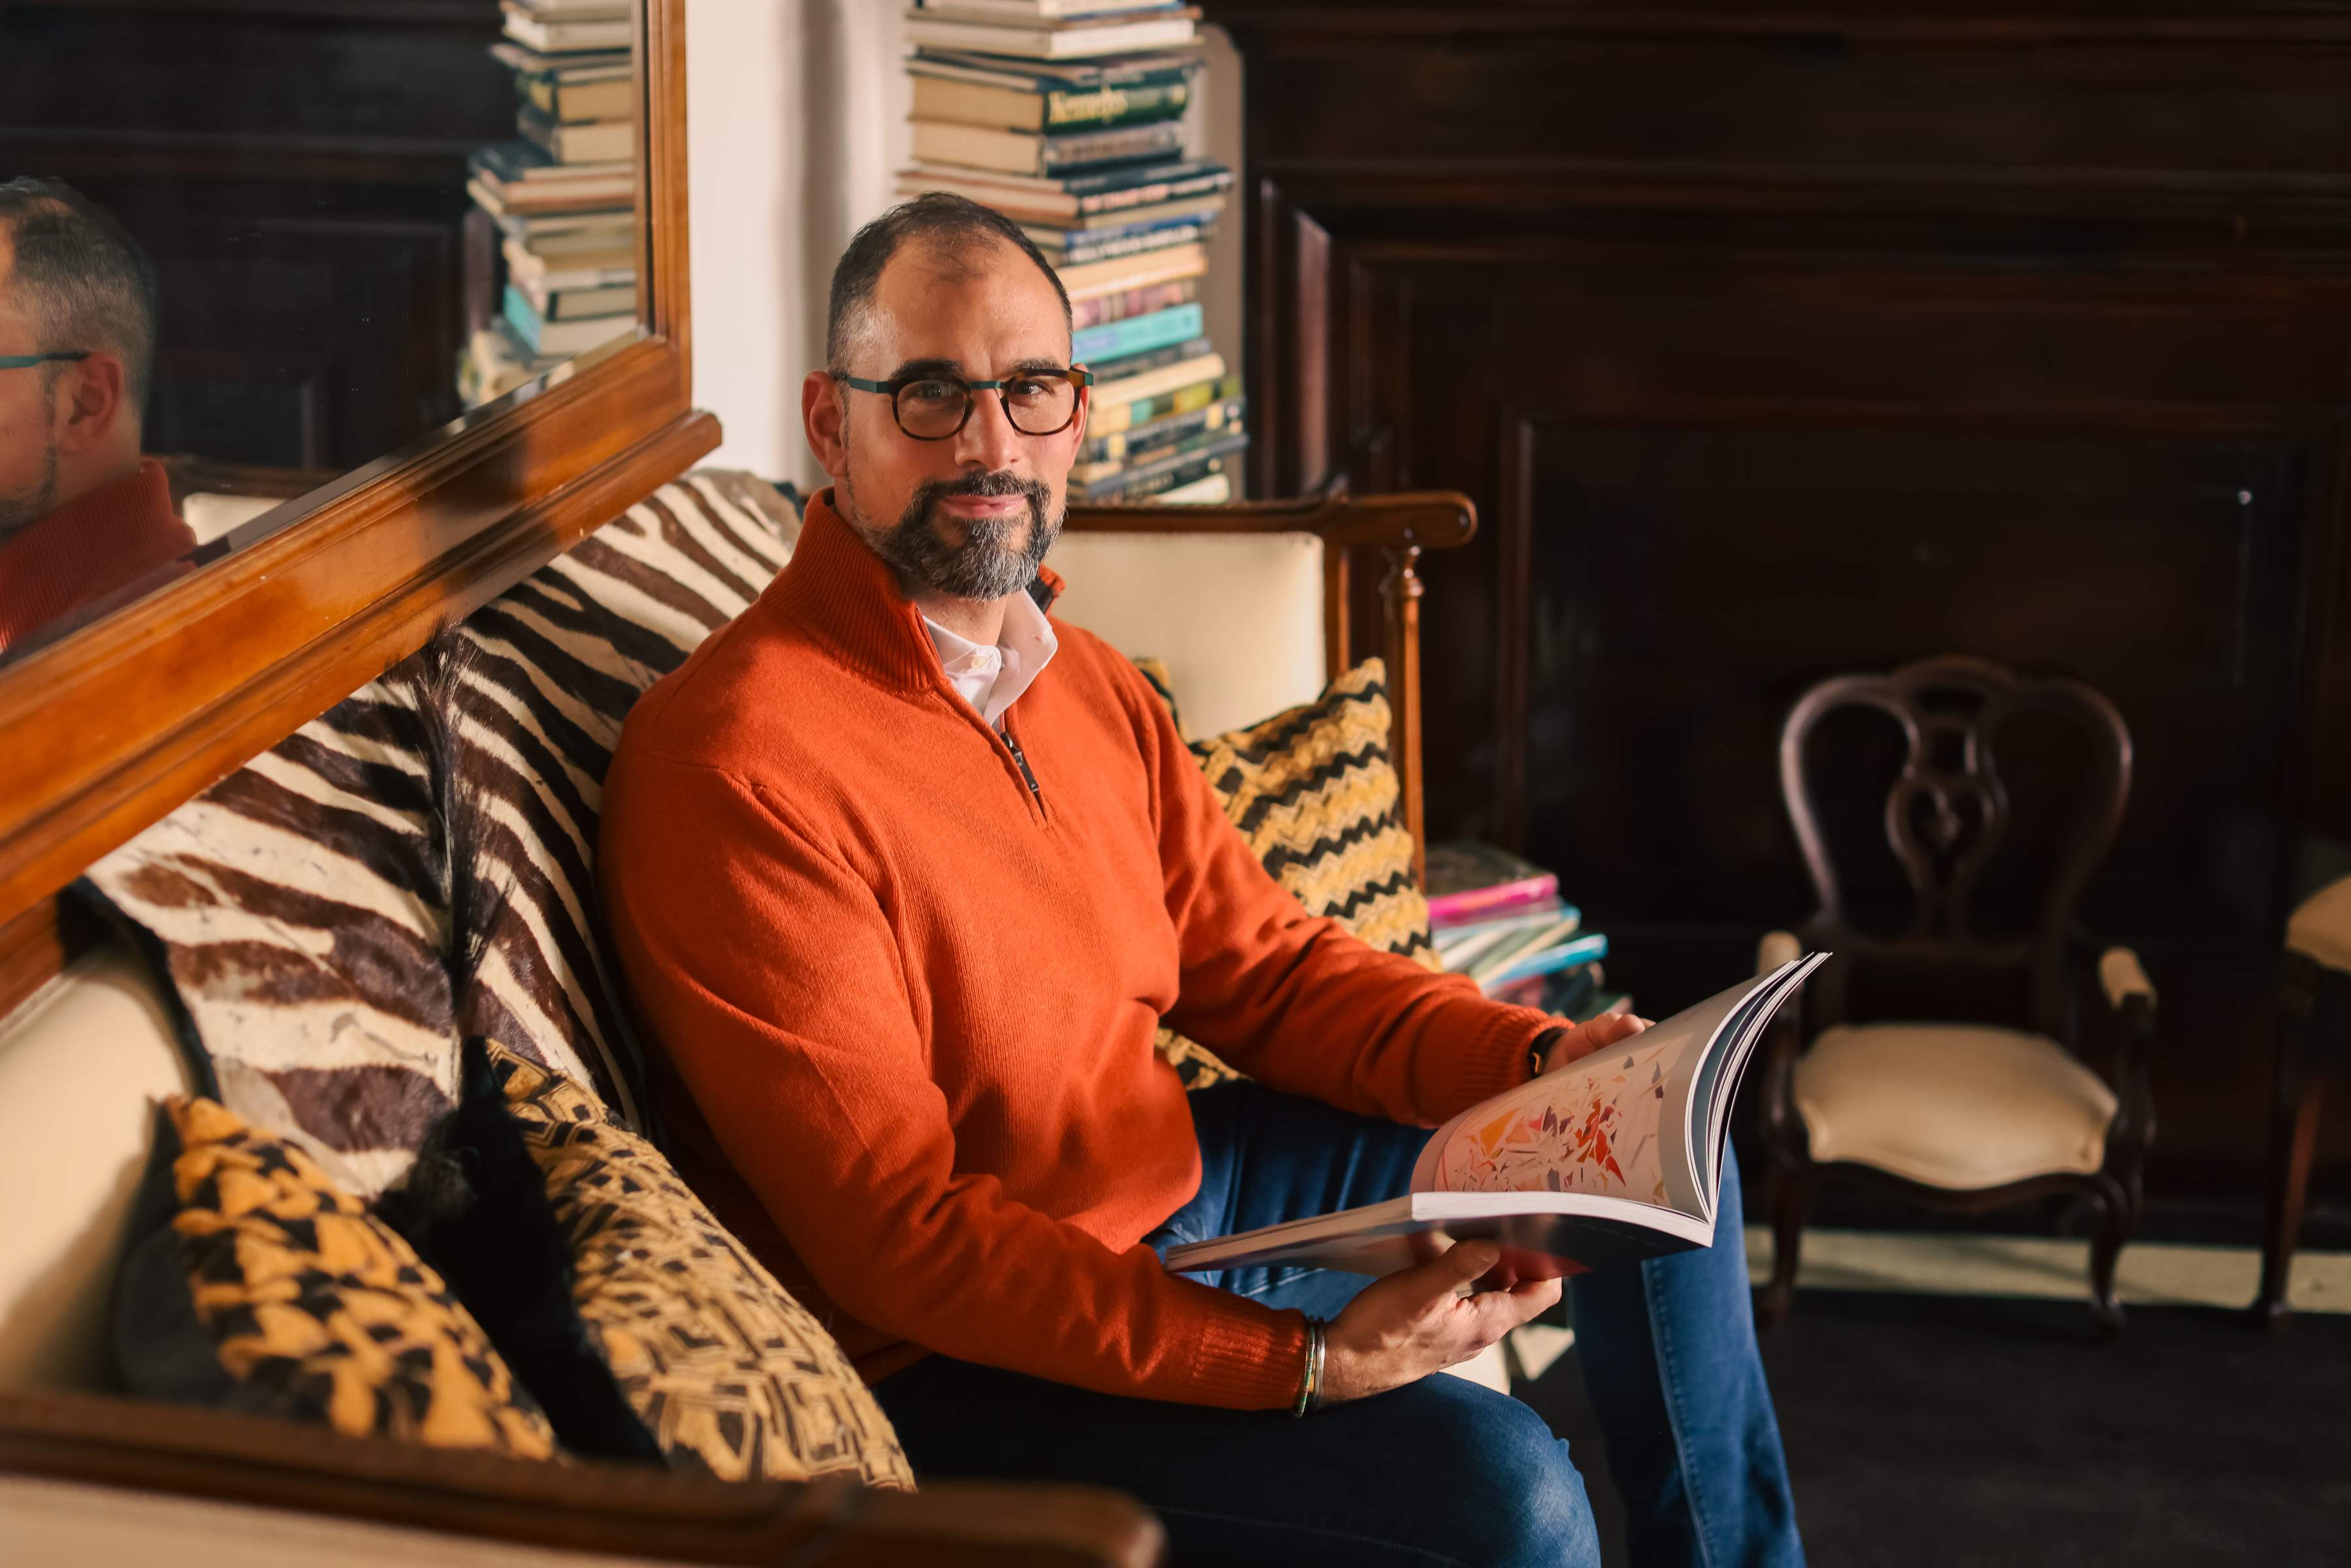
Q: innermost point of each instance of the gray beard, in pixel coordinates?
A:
(987, 564)
(21, 509)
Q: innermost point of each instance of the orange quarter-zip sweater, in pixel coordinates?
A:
(904, 1002)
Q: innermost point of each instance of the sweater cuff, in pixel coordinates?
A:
(1495, 1058)
(1248, 1363)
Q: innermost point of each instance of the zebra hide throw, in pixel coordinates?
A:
(413, 866)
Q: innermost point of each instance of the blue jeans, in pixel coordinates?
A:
(1439, 1472)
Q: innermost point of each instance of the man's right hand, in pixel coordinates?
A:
(1402, 1328)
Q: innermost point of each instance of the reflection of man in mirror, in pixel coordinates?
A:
(82, 515)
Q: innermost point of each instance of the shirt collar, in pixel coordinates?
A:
(992, 679)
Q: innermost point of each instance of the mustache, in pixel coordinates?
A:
(995, 481)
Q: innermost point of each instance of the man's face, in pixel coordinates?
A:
(970, 515)
(29, 436)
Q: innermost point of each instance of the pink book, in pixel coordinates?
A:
(1472, 881)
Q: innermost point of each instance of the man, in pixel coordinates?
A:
(904, 874)
(83, 518)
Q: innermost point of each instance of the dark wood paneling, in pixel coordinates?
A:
(1781, 343)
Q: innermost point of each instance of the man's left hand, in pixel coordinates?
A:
(1592, 1034)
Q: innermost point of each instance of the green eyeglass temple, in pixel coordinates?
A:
(21, 361)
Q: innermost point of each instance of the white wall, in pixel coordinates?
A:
(796, 116)
(796, 129)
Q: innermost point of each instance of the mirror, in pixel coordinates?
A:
(363, 229)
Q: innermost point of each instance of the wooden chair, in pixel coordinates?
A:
(2313, 1036)
(85, 1039)
(1960, 1117)
(1252, 604)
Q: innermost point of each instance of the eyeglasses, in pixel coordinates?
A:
(933, 407)
(21, 362)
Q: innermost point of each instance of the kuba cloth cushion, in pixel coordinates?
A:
(731, 1374)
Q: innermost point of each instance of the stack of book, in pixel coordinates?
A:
(562, 195)
(1500, 920)
(1065, 115)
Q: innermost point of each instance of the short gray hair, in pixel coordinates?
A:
(80, 279)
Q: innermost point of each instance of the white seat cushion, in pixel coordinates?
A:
(1963, 1106)
(81, 1071)
(1238, 618)
(2322, 926)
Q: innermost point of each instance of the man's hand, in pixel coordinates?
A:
(1592, 1034)
(1402, 1328)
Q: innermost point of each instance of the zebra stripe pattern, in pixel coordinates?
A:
(416, 864)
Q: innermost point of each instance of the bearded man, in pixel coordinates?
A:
(83, 518)
(904, 874)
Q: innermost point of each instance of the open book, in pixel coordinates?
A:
(1613, 1158)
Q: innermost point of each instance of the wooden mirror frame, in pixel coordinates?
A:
(107, 730)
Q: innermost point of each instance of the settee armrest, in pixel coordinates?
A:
(591, 1508)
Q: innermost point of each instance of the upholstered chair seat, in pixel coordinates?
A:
(2313, 1043)
(1961, 1106)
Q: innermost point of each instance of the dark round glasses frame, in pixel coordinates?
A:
(895, 384)
(21, 361)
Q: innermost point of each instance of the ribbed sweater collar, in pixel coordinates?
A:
(840, 594)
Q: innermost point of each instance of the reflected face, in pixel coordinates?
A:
(28, 432)
(970, 515)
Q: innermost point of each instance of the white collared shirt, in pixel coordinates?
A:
(992, 679)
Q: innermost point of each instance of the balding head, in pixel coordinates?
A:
(73, 274)
(955, 237)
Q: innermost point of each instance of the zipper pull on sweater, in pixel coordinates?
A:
(1021, 757)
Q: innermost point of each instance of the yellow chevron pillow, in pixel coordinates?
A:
(1312, 791)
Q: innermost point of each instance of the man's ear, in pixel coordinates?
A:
(822, 412)
(90, 402)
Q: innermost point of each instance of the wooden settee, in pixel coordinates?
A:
(89, 1475)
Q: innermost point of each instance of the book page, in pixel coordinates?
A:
(1590, 1128)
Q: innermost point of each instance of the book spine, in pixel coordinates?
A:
(1566, 956)
(1484, 903)
(1113, 414)
(1120, 198)
(1167, 473)
(523, 319)
(1108, 106)
(1161, 432)
(1083, 247)
(1084, 149)
(1130, 303)
(1156, 330)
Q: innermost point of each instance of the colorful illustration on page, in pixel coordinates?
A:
(1593, 1131)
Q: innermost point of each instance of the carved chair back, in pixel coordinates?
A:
(1948, 820)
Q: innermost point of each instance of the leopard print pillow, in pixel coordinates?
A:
(313, 1300)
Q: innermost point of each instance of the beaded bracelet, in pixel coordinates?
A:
(1310, 1387)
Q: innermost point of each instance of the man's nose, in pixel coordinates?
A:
(988, 438)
